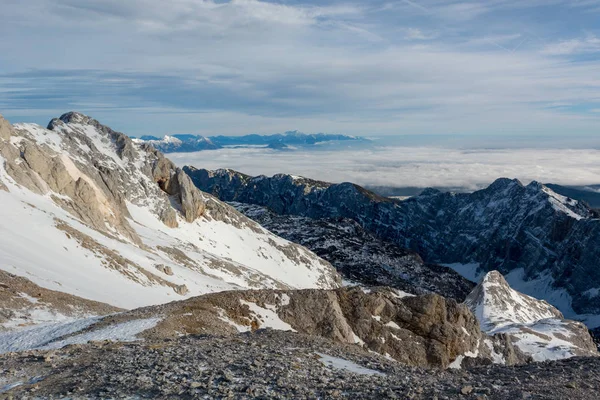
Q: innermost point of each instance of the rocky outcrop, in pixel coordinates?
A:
(177, 184)
(508, 226)
(534, 326)
(415, 330)
(5, 129)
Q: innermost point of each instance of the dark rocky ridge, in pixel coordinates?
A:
(504, 227)
(360, 256)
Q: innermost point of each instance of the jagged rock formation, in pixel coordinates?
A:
(415, 330)
(528, 230)
(89, 212)
(361, 257)
(536, 328)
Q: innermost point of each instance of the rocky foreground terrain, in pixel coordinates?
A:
(273, 365)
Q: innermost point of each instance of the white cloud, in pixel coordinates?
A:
(418, 34)
(590, 44)
(254, 65)
(410, 166)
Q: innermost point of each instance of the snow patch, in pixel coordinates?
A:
(48, 336)
(340, 363)
(268, 317)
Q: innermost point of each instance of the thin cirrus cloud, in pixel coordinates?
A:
(369, 68)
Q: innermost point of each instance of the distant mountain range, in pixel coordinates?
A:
(589, 194)
(279, 141)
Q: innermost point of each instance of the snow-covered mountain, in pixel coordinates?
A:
(178, 143)
(536, 327)
(545, 243)
(88, 212)
(279, 141)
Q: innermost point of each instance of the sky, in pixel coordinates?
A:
(372, 68)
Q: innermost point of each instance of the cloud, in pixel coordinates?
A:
(590, 44)
(418, 34)
(410, 166)
(248, 65)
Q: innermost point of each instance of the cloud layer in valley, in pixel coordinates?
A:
(410, 166)
(234, 67)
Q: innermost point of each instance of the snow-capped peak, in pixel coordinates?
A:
(537, 328)
(496, 304)
(171, 139)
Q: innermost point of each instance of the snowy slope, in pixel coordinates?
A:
(84, 212)
(537, 328)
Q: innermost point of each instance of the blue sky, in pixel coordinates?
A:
(495, 67)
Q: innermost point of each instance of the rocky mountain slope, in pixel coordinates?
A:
(88, 212)
(543, 242)
(414, 330)
(359, 256)
(425, 331)
(191, 143)
(536, 328)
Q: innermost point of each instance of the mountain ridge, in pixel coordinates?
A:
(535, 236)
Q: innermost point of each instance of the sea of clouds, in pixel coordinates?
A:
(409, 166)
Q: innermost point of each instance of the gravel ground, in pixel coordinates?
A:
(273, 364)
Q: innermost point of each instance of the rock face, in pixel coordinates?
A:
(360, 256)
(88, 211)
(415, 330)
(528, 230)
(5, 129)
(536, 328)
